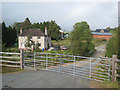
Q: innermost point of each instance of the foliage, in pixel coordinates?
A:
(29, 42)
(37, 47)
(8, 35)
(3, 47)
(81, 39)
(112, 46)
(98, 42)
(24, 25)
(53, 29)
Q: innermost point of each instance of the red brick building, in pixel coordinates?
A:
(101, 34)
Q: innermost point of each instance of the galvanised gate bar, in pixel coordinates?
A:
(98, 69)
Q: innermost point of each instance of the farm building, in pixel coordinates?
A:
(101, 34)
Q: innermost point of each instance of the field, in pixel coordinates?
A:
(65, 42)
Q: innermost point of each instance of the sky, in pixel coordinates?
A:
(66, 14)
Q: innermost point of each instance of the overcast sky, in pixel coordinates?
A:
(66, 14)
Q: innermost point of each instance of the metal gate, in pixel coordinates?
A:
(86, 67)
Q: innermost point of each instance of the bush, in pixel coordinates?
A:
(112, 47)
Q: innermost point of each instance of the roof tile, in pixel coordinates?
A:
(32, 32)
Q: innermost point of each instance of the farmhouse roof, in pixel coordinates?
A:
(32, 32)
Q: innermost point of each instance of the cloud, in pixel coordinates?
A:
(66, 14)
(59, 0)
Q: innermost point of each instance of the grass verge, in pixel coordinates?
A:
(106, 84)
(10, 69)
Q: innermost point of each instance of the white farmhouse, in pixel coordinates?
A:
(37, 36)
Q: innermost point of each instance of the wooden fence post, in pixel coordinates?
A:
(21, 59)
(114, 65)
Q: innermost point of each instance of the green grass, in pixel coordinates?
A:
(101, 43)
(9, 69)
(98, 42)
(65, 42)
(12, 49)
(59, 52)
(112, 31)
(106, 84)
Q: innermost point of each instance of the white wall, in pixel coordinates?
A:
(23, 39)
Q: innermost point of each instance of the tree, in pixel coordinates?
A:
(52, 26)
(81, 39)
(113, 44)
(37, 46)
(29, 42)
(25, 25)
(112, 47)
(8, 35)
(53, 29)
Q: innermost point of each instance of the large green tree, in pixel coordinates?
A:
(25, 25)
(113, 45)
(81, 39)
(9, 35)
(53, 29)
(52, 26)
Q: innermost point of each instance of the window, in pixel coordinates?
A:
(38, 37)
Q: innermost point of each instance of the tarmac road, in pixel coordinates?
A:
(43, 79)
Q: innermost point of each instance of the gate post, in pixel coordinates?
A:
(109, 70)
(34, 60)
(90, 69)
(46, 61)
(74, 66)
(21, 59)
(60, 64)
(114, 65)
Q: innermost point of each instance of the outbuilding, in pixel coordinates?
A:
(101, 34)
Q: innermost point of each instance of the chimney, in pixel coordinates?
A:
(21, 30)
(46, 33)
